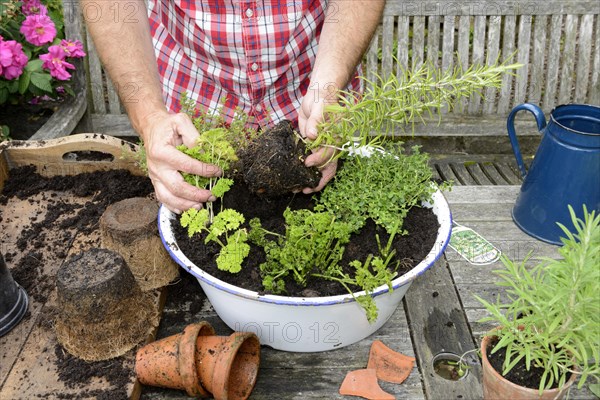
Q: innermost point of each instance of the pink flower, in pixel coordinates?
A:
(72, 48)
(55, 62)
(38, 29)
(12, 59)
(32, 7)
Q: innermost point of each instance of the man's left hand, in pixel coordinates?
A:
(309, 117)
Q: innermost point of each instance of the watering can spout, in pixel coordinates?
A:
(565, 170)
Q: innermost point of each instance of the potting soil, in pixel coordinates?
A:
(420, 223)
(41, 221)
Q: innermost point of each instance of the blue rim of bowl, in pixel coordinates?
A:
(205, 277)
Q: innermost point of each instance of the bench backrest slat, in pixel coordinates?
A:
(556, 41)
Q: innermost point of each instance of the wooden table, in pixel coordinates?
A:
(438, 314)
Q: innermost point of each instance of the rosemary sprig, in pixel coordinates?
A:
(399, 100)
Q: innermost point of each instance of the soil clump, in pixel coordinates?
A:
(273, 163)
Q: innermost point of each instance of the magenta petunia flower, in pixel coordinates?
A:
(38, 29)
(12, 59)
(55, 62)
(33, 7)
(72, 48)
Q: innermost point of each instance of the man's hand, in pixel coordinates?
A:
(162, 133)
(309, 116)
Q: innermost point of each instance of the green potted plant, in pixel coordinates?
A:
(374, 185)
(547, 334)
(41, 71)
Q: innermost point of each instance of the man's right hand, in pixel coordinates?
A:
(162, 132)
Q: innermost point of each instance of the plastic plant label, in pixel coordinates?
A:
(472, 246)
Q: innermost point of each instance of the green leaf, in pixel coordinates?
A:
(3, 95)
(595, 389)
(226, 221)
(221, 187)
(13, 86)
(24, 80)
(233, 254)
(42, 81)
(194, 220)
(69, 90)
(34, 65)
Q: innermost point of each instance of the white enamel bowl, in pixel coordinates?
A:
(305, 324)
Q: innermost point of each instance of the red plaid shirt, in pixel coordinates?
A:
(252, 54)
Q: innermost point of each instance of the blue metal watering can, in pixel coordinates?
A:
(565, 170)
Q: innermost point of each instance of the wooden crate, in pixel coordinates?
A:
(29, 354)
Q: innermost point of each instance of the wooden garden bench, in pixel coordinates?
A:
(557, 41)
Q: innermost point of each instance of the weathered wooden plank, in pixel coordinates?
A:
(113, 124)
(508, 46)
(418, 42)
(448, 42)
(114, 104)
(95, 75)
(510, 173)
(483, 195)
(523, 46)
(286, 383)
(463, 42)
(568, 57)
(489, 169)
(582, 76)
(73, 21)
(372, 67)
(536, 81)
(493, 54)
(387, 46)
(464, 213)
(403, 40)
(553, 59)
(490, 7)
(17, 215)
(438, 324)
(478, 174)
(447, 174)
(462, 173)
(433, 40)
(478, 49)
(594, 92)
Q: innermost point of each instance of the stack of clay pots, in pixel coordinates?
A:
(202, 364)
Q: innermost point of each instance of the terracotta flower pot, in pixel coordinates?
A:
(202, 364)
(496, 387)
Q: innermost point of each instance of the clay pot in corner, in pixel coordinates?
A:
(496, 387)
(201, 363)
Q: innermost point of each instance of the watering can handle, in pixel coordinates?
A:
(510, 125)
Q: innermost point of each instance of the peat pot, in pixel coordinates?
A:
(305, 324)
(13, 300)
(565, 170)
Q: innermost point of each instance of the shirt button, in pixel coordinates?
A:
(258, 108)
(249, 13)
(254, 66)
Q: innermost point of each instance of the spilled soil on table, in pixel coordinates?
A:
(67, 206)
(421, 224)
